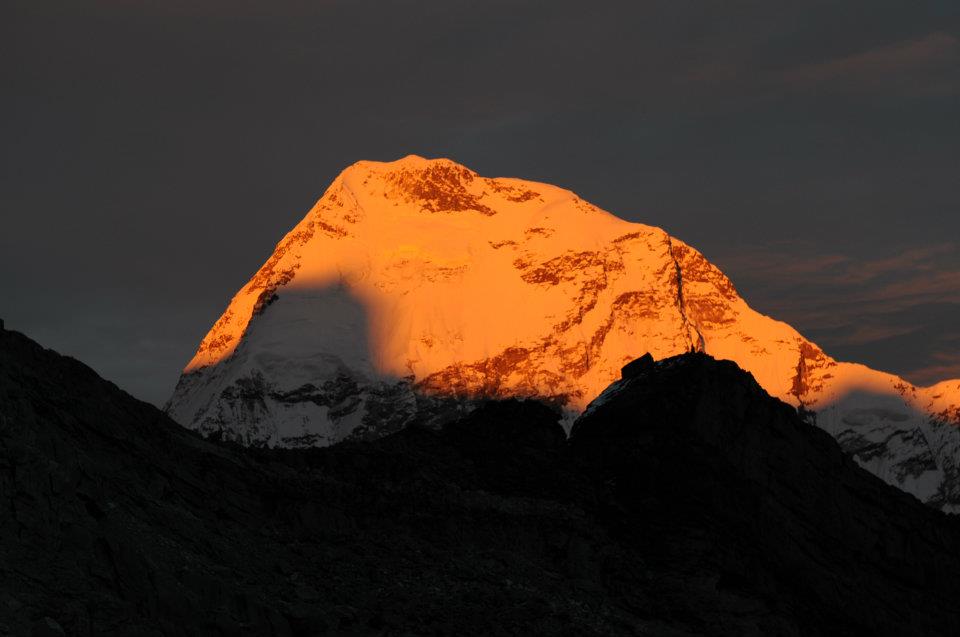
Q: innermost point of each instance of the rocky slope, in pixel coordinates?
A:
(418, 280)
(686, 502)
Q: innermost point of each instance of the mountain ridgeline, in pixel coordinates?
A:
(686, 501)
(414, 287)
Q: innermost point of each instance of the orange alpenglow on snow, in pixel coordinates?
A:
(414, 281)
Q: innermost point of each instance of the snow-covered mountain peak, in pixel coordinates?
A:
(420, 280)
(436, 185)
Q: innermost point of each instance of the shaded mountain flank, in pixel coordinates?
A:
(686, 501)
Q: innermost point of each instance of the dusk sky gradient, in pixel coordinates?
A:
(153, 153)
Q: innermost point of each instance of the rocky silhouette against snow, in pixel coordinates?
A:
(685, 502)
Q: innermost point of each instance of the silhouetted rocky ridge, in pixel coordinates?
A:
(685, 502)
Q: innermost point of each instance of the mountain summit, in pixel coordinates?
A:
(416, 281)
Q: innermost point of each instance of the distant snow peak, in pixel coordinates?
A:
(414, 287)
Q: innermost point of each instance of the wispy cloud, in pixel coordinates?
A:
(927, 65)
(915, 271)
(864, 334)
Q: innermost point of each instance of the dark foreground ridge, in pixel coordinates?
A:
(686, 502)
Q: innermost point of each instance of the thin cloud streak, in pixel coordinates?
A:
(925, 65)
(916, 271)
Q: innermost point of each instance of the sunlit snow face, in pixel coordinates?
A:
(454, 278)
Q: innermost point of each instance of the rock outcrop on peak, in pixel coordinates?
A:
(686, 502)
(413, 282)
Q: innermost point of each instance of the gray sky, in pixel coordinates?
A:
(152, 153)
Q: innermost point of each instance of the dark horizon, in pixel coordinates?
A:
(154, 153)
